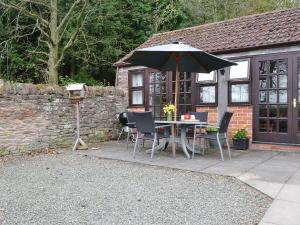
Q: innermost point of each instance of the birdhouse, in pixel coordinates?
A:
(76, 91)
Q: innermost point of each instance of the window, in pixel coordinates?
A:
(239, 93)
(239, 82)
(208, 94)
(240, 71)
(206, 77)
(207, 88)
(136, 87)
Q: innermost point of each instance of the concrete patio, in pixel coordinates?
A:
(277, 174)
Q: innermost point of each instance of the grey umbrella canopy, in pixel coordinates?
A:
(177, 57)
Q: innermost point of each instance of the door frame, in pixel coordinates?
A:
(265, 136)
(296, 89)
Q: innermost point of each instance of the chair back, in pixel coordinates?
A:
(224, 123)
(201, 116)
(144, 122)
(131, 119)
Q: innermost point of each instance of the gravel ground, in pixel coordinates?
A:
(75, 189)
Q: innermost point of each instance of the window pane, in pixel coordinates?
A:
(283, 126)
(204, 77)
(239, 71)
(240, 93)
(208, 94)
(137, 80)
(263, 110)
(263, 67)
(272, 110)
(137, 97)
(282, 81)
(273, 81)
(263, 125)
(262, 83)
(283, 110)
(272, 125)
(273, 66)
(283, 66)
(283, 96)
(273, 96)
(262, 96)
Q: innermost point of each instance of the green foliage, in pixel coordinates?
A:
(112, 29)
(212, 130)
(240, 133)
(84, 76)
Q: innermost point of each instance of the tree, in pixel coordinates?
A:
(53, 26)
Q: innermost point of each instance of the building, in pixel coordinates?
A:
(262, 91)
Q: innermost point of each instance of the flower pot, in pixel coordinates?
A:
(241, 144)
(214, 144)
(169, 116)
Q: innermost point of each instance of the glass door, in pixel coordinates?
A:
(185, 103)
(273, 94)
(158, 93)
(162, 91)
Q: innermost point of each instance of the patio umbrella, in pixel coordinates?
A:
(177, 57)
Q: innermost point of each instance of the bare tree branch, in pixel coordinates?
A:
(79, 24)
(26, 12)
(38, 52)
(36, 3)
(65, 20)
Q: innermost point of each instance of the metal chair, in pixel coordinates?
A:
(128, 122)
(220, 135)
(202, 117)
(146, 130)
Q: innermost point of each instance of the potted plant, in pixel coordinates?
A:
(168, 110)
(240, 139)
(212, 142)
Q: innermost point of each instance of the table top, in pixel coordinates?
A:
(187, 122)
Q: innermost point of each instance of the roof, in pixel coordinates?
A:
(240, 34)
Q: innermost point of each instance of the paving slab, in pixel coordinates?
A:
(291, 190)
(225, 170)
(271, 189)
(274, 173)
(282, 213)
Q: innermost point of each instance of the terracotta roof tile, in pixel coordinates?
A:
(240, 34)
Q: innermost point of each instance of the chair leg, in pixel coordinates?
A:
(220, 147)
(194, 140)
(204, 144)
(228, 147)
(128, 136)
(136, 145)
(121, 134)
(153, 145)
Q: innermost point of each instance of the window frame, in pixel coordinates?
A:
(237, 81)
(198, 87)
(248, 70)
(131, 89)
(215, 80)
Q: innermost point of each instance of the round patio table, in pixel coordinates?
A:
(183, 125)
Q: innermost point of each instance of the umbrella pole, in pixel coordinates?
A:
(176, 87)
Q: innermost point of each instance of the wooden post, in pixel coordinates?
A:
(78, 139)
(177, 58)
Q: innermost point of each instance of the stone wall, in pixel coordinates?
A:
(39, 116)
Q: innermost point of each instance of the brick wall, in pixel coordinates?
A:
(136, 109)
(212, 113)
(242, 115)
(38, 116)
